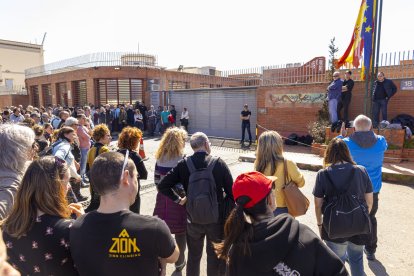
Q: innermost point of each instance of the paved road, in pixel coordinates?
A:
(395, 221)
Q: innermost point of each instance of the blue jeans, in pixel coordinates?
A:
(354, 253)
(333, 110)
(377, 106)
(83, 161)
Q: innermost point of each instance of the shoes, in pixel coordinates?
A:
(241, 142)
(180, 267)
(370, 256)
(84, 184)
(250, 143)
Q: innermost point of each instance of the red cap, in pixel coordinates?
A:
(254, 185)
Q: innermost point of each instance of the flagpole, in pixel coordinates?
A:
(373, 59)
(379, 36)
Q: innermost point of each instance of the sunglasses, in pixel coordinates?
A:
(125, 164)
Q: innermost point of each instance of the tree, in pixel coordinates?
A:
(332, 61)
(317, 128)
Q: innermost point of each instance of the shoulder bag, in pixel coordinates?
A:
(297, 203)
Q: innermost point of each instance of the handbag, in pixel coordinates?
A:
(297, 203)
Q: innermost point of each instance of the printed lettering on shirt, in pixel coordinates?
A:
(124, 246)
(284, 270)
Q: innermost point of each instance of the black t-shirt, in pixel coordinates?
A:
(359, 184)
(122, 243)
(44, 250)
(349, 85)
(380, 93)
(246, 113)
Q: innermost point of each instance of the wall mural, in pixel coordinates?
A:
(311, 98)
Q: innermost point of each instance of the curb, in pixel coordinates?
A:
(388, 177)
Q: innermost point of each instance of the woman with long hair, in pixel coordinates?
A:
(128, 142)
(169, 153)
(37, 231)
(258, 243)
(341, 174)
(270, 162)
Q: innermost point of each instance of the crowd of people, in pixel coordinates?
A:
(49, 154)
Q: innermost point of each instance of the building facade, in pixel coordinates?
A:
(15, 58)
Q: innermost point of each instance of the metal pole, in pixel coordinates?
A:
(379, 15)
(374, 58)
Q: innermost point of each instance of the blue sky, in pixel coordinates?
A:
(227, 34)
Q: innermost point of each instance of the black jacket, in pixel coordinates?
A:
(389, 86)
(181, 174)
(283, 246)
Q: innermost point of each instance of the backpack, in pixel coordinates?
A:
(202, 204)
(49, 150)
(53, 122)
(344, 214)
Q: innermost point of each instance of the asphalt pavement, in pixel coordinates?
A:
(395, 253)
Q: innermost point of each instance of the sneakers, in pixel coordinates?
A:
(370, 256)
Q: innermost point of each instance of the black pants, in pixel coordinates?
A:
(344, 103)
(371, 243)
(246, 125)
(195, 242)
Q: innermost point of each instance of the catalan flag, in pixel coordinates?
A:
(361, 41)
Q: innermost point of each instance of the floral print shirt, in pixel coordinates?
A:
(44, 250)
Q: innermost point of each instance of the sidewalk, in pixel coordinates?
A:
(402, 173)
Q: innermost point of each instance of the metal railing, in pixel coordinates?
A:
(94, 60)
(15, 90)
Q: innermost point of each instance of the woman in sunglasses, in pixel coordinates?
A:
(37, 231)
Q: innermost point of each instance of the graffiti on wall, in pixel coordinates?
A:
(305, 98)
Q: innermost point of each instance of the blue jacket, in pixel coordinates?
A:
(367, 149)
(335, 89)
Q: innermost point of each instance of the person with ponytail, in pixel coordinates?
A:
(258, 243)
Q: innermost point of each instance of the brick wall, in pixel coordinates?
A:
(15, 100)
(290, 117)
(164, 76)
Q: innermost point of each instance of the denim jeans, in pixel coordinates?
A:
(377, 106)
(246, 125)
(333, 109)
(354, 253)
(83, 161)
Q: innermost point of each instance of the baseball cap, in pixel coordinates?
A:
(254, 185)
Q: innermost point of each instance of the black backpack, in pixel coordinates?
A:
(49, 150)
(344, 215)
(202, 204)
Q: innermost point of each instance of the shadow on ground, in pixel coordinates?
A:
(377, 268)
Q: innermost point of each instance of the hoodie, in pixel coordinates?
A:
(367, 149)
(283, 246)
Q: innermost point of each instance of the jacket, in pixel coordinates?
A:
(294, 174)
(389, 86)
(367, 149)
(9, 183)
(181, 174)
(335, 90)
(283, 246)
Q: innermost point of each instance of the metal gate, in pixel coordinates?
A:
(216, 112)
